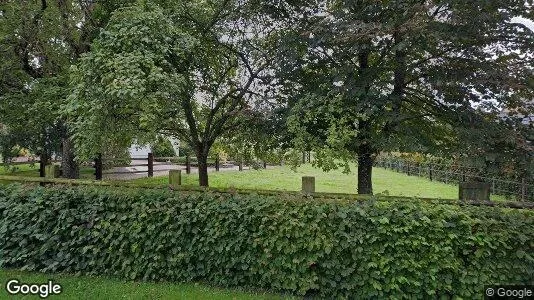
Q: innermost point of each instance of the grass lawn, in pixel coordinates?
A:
(86, 287)
(283, 178)
(32, 170)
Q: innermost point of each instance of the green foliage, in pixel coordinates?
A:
(163, 148)
(428, 76)
(130, 72)
(325, 248)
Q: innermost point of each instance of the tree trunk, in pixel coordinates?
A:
(69, 166)
(365, 170)
(365, 151)
(202, 158)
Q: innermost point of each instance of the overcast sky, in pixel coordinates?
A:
(527, 22)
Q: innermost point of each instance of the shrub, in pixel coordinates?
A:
(326, 248)
(163, 148)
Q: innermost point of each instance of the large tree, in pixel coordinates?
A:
(186, 69)
(39, 40)
(375, 76)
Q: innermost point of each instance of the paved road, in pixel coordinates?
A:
(160, 169)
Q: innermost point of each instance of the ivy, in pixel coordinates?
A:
(322, 248)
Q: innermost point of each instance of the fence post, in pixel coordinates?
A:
(51, 171)
(187, 165)
(308, 184)
(42, 164)
(523, 189)
(150, 164)
(217, 163)
(98, 167)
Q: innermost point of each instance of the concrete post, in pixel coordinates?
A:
(52, 171)
(308, 184)
(175, 178)
(478, 191)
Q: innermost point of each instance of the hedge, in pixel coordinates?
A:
(323, 248)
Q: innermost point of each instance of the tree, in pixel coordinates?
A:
(187, 70)
(39, 41)
(402, 75)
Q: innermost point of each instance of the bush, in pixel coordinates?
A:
(163, 148)
(342, 249)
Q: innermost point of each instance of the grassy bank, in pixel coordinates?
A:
(283, 178)
(87, 287)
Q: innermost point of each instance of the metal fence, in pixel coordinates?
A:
(453, 174)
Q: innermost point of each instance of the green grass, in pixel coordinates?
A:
(88, 287)
(283, 178)
(32, 170)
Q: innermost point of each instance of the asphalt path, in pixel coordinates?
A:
(160, 169)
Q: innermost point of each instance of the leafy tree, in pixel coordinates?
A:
(187, 70)
(163, 148)
(39, 40)
(402, 75)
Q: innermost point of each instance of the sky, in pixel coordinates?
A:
(527, 22)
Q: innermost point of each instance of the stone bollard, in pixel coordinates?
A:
(477, 191)
(52, 171)
(175, 178)
(308, 184)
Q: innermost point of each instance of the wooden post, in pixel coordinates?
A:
(98, 167)
(430, 173)
(175, 178)
(217, 163)
(308, 184)
(240, 163)
(150, 164)
(187, 165)
(303, 157)
(52, 171)
(43, 161)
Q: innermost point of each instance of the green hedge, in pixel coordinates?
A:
(370, 249)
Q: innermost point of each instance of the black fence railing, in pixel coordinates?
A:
(452, 174)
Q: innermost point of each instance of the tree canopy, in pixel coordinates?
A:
(188, 70)
(404, 75)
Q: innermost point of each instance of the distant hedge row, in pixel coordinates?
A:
(307, 247)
